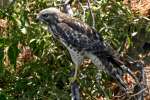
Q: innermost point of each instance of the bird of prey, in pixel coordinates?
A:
(82, 41)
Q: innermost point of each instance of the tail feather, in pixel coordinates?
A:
(138, 87)
(116, 68)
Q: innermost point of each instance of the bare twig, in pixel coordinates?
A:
(83, 9)
(74, 88)
(75, 91)
(93, 19)
(138, 92)
(131, 95)
(67, 7)
(68, 10)
(119, 96)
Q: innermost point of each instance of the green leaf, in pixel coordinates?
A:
(2, 96)
(1, 51)
(1, 55)
(13, 52)
(1, 61)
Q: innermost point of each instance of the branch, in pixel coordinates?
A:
(93, 19)
(82, 9)
(67, 7)
(75, 91)
(68, 10)
(74, 88)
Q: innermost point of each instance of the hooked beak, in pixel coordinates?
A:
(40, 19)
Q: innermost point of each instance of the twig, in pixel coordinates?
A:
(66, 6)
(74, 88)
(75, 91)
(138, 92)
(119, 96)
(93, 19)
(82, 9)
(68, 10)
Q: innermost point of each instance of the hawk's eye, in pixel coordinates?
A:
(45, 15)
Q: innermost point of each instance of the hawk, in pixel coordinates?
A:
(82, 41)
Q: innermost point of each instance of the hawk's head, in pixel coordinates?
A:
(49, 15)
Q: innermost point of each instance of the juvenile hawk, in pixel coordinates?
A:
(82, 41)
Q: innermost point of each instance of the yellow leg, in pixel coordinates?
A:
(74, 78)
(75, 73)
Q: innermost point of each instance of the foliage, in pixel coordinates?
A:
(34, 66)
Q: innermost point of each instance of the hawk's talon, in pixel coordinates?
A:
(126, 69)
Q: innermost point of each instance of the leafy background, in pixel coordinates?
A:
(34, 66)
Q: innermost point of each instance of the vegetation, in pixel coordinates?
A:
(34, 66)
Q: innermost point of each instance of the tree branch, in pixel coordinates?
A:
(82, 9)
(67, 7)
(75, 91)
(89, 6)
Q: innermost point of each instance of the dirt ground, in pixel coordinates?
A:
(147, 71)
(139, 6)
